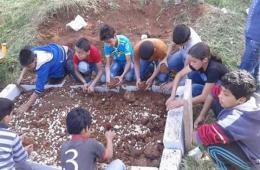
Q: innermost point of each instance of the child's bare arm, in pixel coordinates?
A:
(204, 111)
(21, 76)
(109, 148)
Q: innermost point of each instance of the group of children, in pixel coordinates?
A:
(232, 142)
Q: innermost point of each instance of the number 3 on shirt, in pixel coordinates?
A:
(72, 160)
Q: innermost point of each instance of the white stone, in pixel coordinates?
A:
(77, 23)
(11, 92)
(173, 133)
(171, 159)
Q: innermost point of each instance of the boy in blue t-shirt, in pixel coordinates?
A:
(120, 48)
(82, 152)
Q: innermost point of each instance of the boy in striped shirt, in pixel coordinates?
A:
(12, 154)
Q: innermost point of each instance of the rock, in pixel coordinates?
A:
(151, 151)
(135, 152)
(27, 140)
(145, 120)
(140, 162)
(155, 163)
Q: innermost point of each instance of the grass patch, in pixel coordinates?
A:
(189, 163)
(18, 27)
(238, 6)
(224, 32)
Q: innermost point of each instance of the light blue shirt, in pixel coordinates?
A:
(120, 52)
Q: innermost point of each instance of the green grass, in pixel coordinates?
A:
(18, 27)
(238, 6)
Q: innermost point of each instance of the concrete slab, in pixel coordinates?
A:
(171, 159)
(173, 133)
(10, 91)
(47, 86)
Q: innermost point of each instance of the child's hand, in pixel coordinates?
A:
(90, 89)
(198, 121)
(23, 108)
(85, 87)
(174, 104)
(29, 148)
(148, 83)
(166, 86)
(110, 135)
(120, 80)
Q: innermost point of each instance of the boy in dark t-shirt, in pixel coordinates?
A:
(82, 152)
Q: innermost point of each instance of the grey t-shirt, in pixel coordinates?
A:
(81, 155)
(194, 39)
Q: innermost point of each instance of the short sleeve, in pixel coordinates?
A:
(99, 149)
(96, 55)
(213, 76)
(75, 60)
(107, 51)
(127, 48)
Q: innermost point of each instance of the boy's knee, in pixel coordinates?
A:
(116, 165)
(83, 67)
(197, 89)
(129, 77)
(103, 78)
(162, 77)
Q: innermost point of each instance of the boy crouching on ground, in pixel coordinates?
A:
(82, 152)
(233, 141)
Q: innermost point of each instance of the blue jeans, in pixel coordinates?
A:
(251, 58)
(176, 61)
(117, 68)
(86, 69)
(147, 68)
(116, 165)
(198, 82)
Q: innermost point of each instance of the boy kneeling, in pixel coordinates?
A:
(233, 141)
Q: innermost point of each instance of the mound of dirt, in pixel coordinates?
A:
(131, 18)
(136, 123)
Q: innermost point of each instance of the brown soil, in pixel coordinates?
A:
(138, 119)
(113, 82)
(129, 18)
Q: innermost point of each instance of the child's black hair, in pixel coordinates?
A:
(181, 34)
(6, 107)
(77, 120)
(240, 83)
(201, 51)
(83, 44)
(146, 50)
(106, 32)
(26, 56)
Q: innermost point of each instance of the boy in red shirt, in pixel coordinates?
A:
(86, 60)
